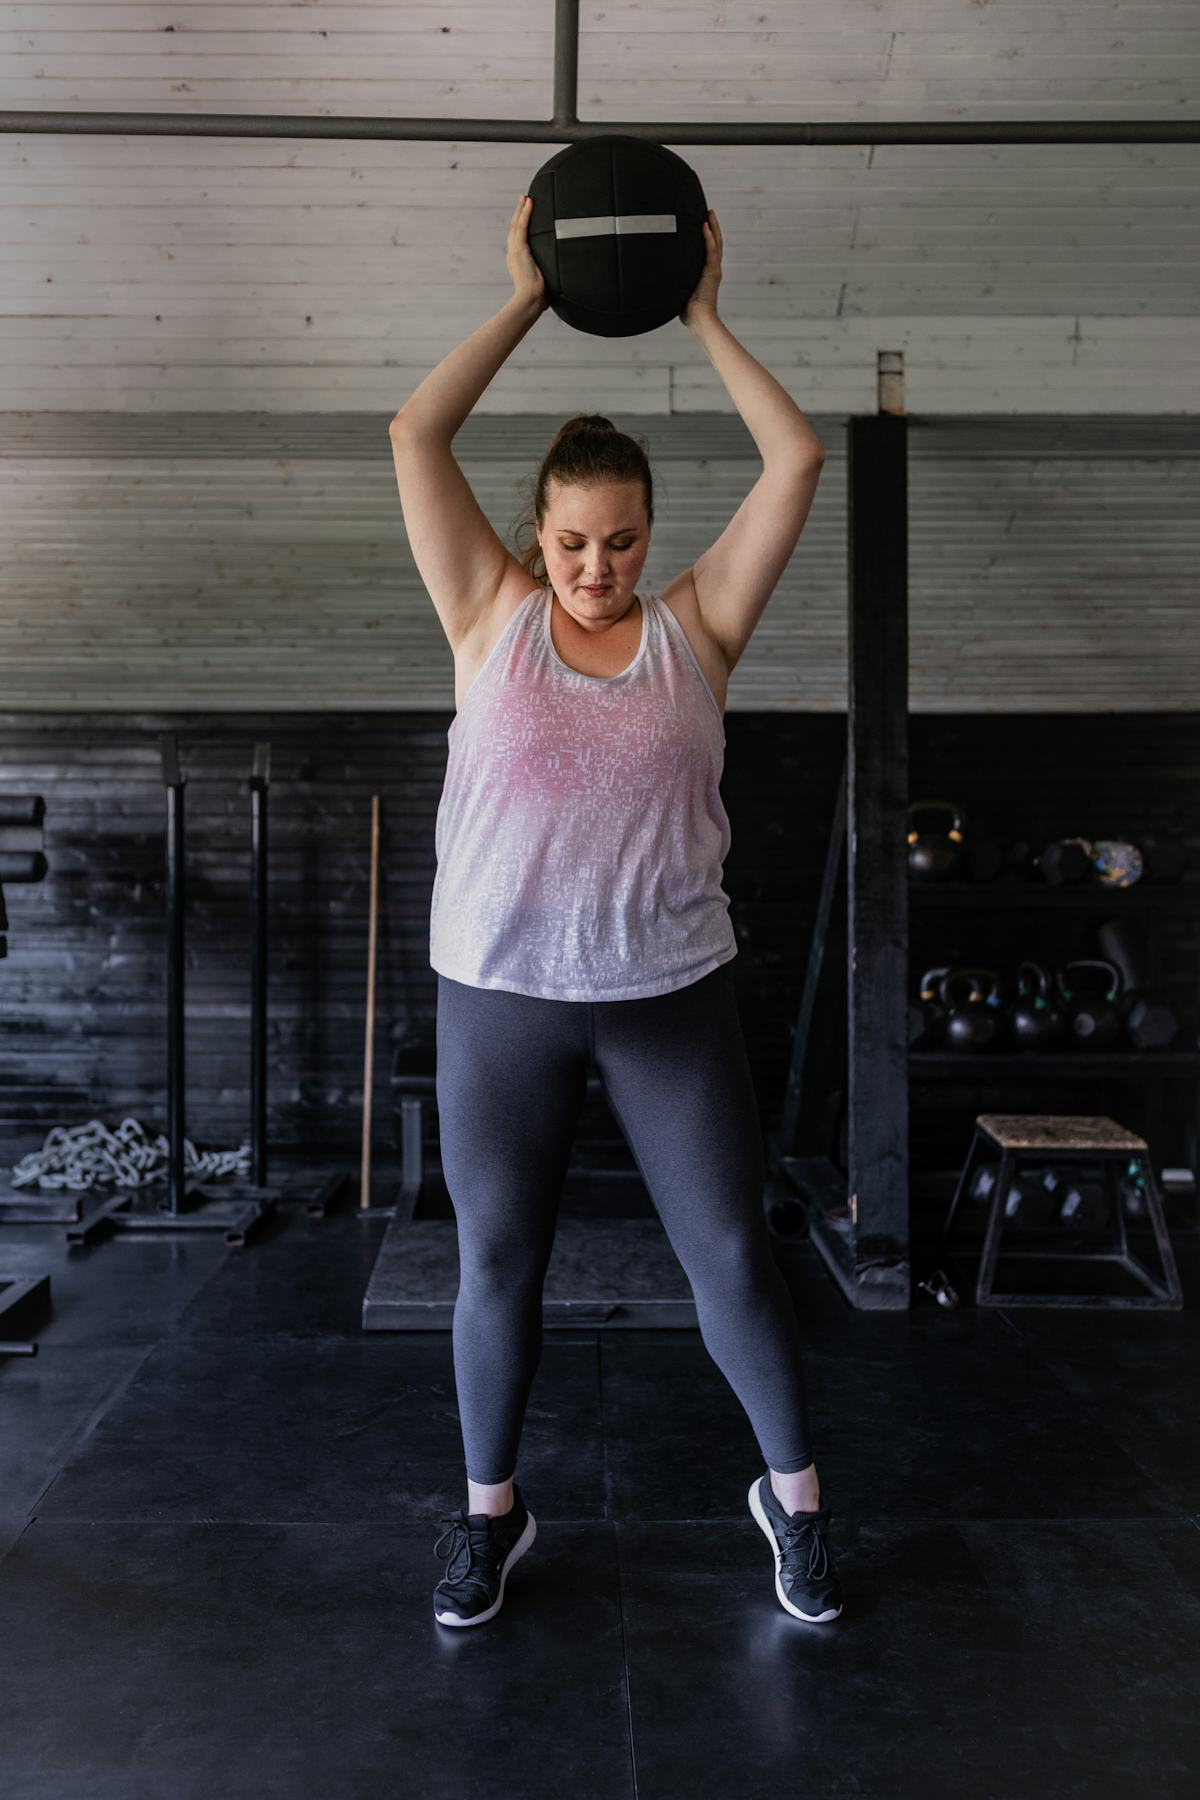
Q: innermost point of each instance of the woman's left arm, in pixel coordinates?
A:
(778, 427)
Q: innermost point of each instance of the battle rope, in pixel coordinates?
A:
(84, 1156)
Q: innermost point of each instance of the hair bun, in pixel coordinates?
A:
(584, 422)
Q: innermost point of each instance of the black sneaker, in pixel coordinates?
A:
(482, 1550)
(804, 1578)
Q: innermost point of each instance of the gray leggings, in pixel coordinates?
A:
(511, 1079)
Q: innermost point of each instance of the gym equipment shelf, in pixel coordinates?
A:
(1167, 896)
(1155, 903)
(798, 1148)
(1065, 1062)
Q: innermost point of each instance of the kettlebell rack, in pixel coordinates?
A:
(800, 1145)
(1150, 904)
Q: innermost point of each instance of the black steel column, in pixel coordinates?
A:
(259, 783)
(174, 780)
(806, 1095)
(877, 864)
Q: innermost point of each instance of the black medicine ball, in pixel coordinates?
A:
(617, 232)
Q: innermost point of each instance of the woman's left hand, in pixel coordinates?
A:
(705, 297)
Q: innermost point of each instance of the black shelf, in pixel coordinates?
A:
(1067, 1063)
(1179, 896)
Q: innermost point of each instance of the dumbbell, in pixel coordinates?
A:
(1078, 1199)
(1163, 860)
(1066, 862)
(984, 859)
(1020, 864)
(982, 1184)
(1132, 1189)
(1150, 1023)
(1027, 1205)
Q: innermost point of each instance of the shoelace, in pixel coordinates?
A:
(794, 1545)
(475, 1544)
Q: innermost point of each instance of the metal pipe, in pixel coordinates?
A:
(566, 62)
(573, 131)
(175, 781)
(259, 784)
(565, 128)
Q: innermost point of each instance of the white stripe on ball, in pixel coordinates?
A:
(610, 225)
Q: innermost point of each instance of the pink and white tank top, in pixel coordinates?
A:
(580, 835)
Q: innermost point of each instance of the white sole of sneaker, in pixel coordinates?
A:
(515, 1554)
(756, 1508)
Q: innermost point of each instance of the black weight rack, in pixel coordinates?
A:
(23, 1298)
(234, 1208)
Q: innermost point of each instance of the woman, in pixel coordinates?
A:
(578, 916)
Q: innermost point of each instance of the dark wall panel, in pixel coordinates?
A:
(83, 990)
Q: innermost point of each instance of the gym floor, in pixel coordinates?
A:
(219, 1499)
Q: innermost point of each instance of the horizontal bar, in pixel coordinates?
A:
(574, 131)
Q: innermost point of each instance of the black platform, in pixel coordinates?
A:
(613, 1272)
(612, 1263)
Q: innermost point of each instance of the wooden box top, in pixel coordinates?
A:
(1057, 1131)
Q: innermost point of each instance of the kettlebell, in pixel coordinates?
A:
(1034, 1019)
(1093, 1018)
(972, 1017)
(927, 1015)
(1066, 862)
(935, 855)
(1116, 863)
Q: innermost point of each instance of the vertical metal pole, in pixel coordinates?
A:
(566, 62)
(795, 1095)
(259, 783)
(174, 781)
(364, 1198)
(877, 865)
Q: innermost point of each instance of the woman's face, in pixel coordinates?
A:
(595, 536)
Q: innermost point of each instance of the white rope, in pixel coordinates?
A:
(85, 1156)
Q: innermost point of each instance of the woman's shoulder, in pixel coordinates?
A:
(517, 585)
(679, 599)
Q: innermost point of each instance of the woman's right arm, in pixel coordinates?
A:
(459, 557)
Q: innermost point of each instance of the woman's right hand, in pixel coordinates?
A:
(528, 281)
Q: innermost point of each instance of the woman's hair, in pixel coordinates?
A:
(586, 452)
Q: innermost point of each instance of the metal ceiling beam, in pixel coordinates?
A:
(565, 127)
(574, 131)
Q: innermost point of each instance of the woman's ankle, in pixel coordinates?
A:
(492, 1497)
(797, 1493)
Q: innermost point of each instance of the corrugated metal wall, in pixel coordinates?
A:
(259, 562)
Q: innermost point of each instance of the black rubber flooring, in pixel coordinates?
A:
(219, 1499)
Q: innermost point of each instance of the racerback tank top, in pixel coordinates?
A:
(580, 834)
